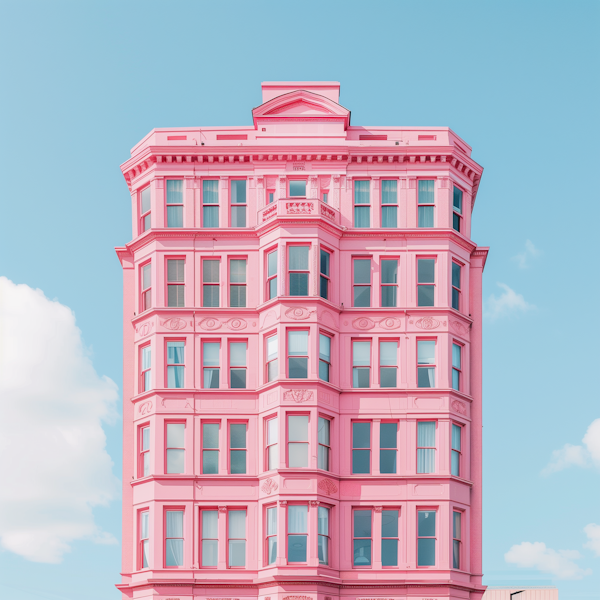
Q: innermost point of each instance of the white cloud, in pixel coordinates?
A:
(54, 465)
(536, 555)
(524, 258)
(579, 456)
(508, 302)
(593, 533)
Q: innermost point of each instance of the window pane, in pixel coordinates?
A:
(362, 295)
(361, 377)
(362, 553)
(457, 200)
(297, 343)
(389, 191)
(298, 284)
(324, 431)
(273, 457)
(455, 464)
(361, 192)
(456, 352)
(323, 526)
(298, 258)
(456, 441)
(389, 271)
(425, 295)
(426, 270)
(175, 435)
(389, 553)
(323, 370)
(146, 438)
(210, 461)
(210, 553)
(175, 377)
(175, 351)
(323, 458)
(145, 525)
(238, 216)
(175, 461)
(361, 435)
(298, 455)
(426, 553)
(210, 191)
(456, 222)
(362, 523)
(324, 287)
(238, 461)
(238, 191)
(297, 548)
(426, 434)
(272, 263)
(237, 524)
(297, 367)
(323, 550)
(362, 216)
(455, 554)
(175, 271)
(455, 299)
(297, 518)
(210, 216)
(237, 435)
(389, 216)
(210, 271)
(237, 553)
(146, 276)
(426, 352)
(426, 377)
(146, 357)
(456, 526)
(272, 431)
(388, 377)
(174, 553)
(361, 354)
(361, 461)
(174, 216)
(210, 524)
(456, 275)
(211, 354)
(362, 270)
(426, 460)
(388, 354)
(272, 347)
(425, 216)
(237, 271)
(426, 523)
(237, 354)
(426, 191)
(174, 523)
(174, 191)
(298, 428)
(146, 198)
(388, 295)
(147, 222)
(211, 378)
(211, 296)
(325, 262)
(175, 296)
(324, 347)
(272, 551)
(387, 461)
(238, 378)
(388, 435)
(273, 370)
(297, 188)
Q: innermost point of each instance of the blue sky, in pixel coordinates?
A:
(82, 82)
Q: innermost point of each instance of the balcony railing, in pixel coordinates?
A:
(298, 207)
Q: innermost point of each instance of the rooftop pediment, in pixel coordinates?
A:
(301, 105)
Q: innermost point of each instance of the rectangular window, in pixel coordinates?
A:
(146, 369)
(211, 364)
(456, 366)
(175, 283)
(210, 448)
(426, 203)
(361, 447)
(425, 363)
(297, 533)
(272, 275)
(272, 434)
(174, 202)
(175, 448)
(389, 203)
(271, 197)
(144, 464)
(210, 203)
(237, 283)
(362, 538)
(362, 204)
(174, 538)
(426, 538)
(272, 358)
(297, 441)
(426, 447)
(388, 447)
(145, 206)
(425, 282)
(210, 283)
(297, 188)
(237, 538)
(146, 287)
(324, 357)
(323, 528)
(324, 281)
(389, 538)
(324, 443)
(237, 448)
(144, 539)
(389, 282)
(325, 197)
(388, 364)
(237, 364)
(456, 449)
(362, 282)
(298, 270)
(456, 539)
(175, 364)
(298, 354)
(210, 538)
(271, 535)
(238, 203)
(457, 199)
(361, 364)
(456, 286)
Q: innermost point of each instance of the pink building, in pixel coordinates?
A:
(302, 359)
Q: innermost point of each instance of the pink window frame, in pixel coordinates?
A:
(210, 341)
(290, 271)
(228, 360)
(287, 533)
(141, 540)
(204, 422)
(462, 513)
(381, 538)
(436, 510)
(453, 287)
(330, 419)
(397, 342)
(419, 204)
(231, 422)
(168, 364)
(167, 447)
(202, 509)
(354, 204)
(459, 215)
(434, 284)
(382, 284)
(382, 205)
(287, 349)
(175, 283)
(459, 452)
(231, 204)
(370, 340)
(267, 536)
(143, 371)
(267, 361)
(268, 445)
(370, 509)
(143, 215)
(453, 368)
(230, 283)
(238, 508)
(287, 437)
(165, 510)
(268, 277)
(434, 448)
(370, 449)
(143, 290)
(217, 284)
(141, 451)
(434, 365)
(370, 285)
(328, 277)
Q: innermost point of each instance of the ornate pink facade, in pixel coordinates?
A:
(302, 359)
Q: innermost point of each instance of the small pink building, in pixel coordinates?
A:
(302, 359)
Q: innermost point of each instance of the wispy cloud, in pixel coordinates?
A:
(52, 403)
(593, 533)
(561, 564)
(509, 302)
(584, 455)
(524, 259)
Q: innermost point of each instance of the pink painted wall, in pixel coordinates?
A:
(301, 132)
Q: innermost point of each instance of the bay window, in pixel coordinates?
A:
(174, 202)
(297, 354)
(388, 364)
(456, 269)
(324, 443)
(456, 366)
(175, 283)
(324, 279)
(425, 282)
(324, 357)
(297, 533)
(175, 448)
(174, 538)
(271, 535)
(210, 538)
(210, 203)
(297, 441)
(388, 447)
(210, 283)
(362, 539)
(456, 539)
(456, 450)
(323, 532)
(361, 364)
(237, 283)
(389, 283)
(426, 537)
(211, 364)
(236, 538)
(389, 538)
(175, 364)
(362, 281)
(298, 270)
(426, 446)
(425, 363)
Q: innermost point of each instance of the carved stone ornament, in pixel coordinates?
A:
(459, 327)
(327, 212)
(222, 509)
(299, 208)
(298, 313)
(144, 328)
(459, 407)
(145, 407)
(297, 598)
(298, 396)
(269, 486)
(268, 316)
(327, 486)
(210, 324)
(363, 323)
(390, 323)
(236, 324)
(283, 503)
(427, 323)
(378, 509)
(314, 503)
(175, 324)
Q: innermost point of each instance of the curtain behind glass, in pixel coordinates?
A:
(389, 193)
(361, 192)
(298, 258)
(238, 191)
(298, 343)
(174, 191)
(175, 352)
(426, 450)
(211, 354)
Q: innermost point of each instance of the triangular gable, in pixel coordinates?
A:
(301, 104)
